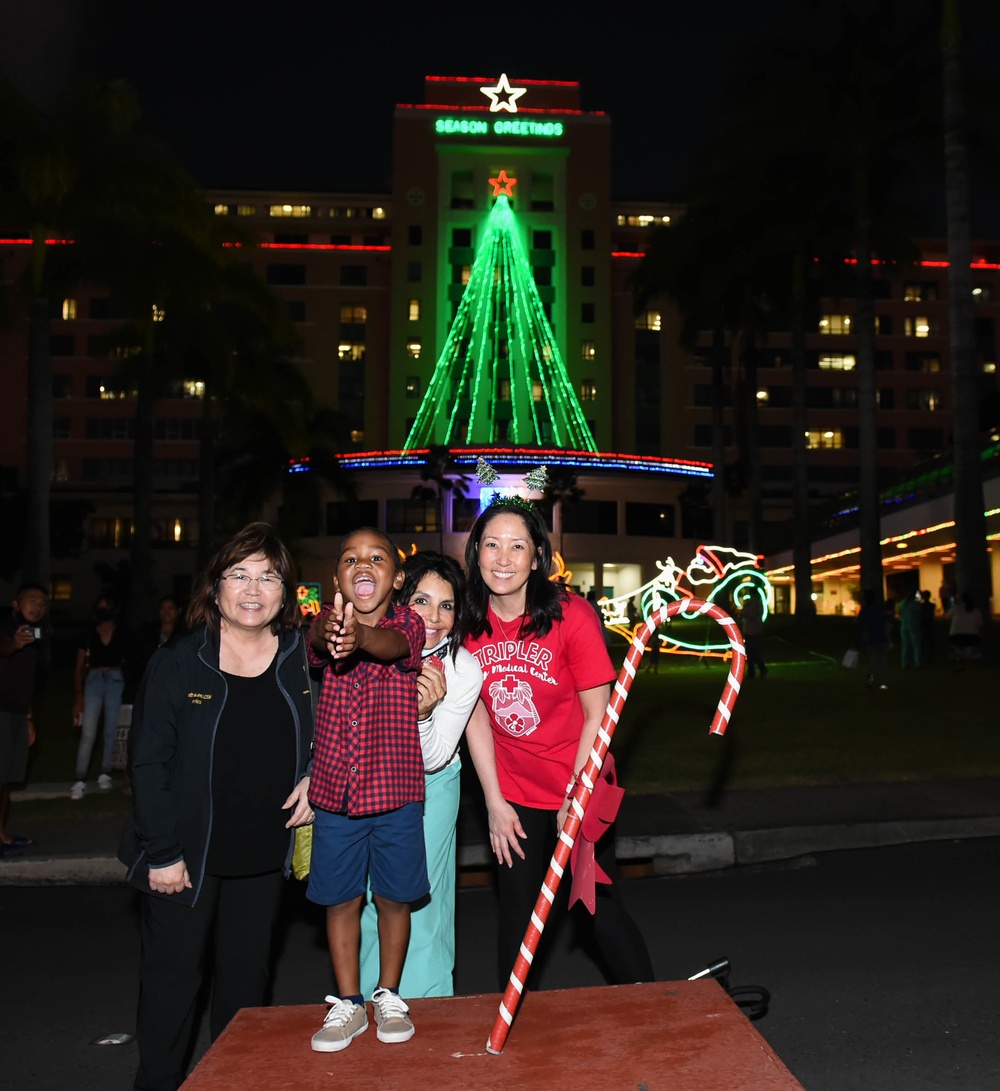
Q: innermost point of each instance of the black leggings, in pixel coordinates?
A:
(616, 936)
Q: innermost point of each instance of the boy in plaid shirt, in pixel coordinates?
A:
(367, 785)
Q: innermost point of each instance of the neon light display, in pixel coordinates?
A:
(509, 456)
(715, 574)
(308, 597)
(502, 96)
(500, 375)
(468, 126)
(503, 184)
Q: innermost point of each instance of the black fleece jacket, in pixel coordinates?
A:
(171, 749)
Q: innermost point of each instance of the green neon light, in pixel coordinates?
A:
(500, 340)
(720, 574)
(464, 126)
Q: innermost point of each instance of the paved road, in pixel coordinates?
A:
(881, 966)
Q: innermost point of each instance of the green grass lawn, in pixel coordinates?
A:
(809, 722)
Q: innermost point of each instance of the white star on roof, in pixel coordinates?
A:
(509, 102)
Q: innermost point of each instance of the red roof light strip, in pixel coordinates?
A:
(489, 79)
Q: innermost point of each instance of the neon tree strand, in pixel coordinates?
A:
(589, 777)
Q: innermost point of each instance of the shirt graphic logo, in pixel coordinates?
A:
(513, 708)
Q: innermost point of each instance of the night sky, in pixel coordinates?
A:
(300, 96)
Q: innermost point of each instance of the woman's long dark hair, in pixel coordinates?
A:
(252, 539)
(416, 567)
(543, 598)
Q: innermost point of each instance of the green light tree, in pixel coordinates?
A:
(500, 377)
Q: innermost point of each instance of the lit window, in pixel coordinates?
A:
(222, 210)
(61, 588)
(178, 530)
(536, 390)
(645, 220)
(413, 347)
(466, 273)
(763, 396)
(620, 220)
(351, 350)
(246, 210)
(588, 390)
(824, 439)
(193, 388)
(413, 386)
(838, 361)
(505, 390)
(297, 212)
(917, 327)
(158, 313)
(414, 310)
(357, 435)
(69, 309)
(353, 313)
(990, 367)
(835, 323)
(378, 213)
(588, 350)
(648, 320)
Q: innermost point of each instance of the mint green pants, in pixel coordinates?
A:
(430, 958)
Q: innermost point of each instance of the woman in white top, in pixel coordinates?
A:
(449, 687)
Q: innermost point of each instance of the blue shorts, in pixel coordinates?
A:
(388, 848)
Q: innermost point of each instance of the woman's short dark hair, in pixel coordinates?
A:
(543, 598)
(418, 565)
(254, 538)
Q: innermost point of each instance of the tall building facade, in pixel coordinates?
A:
(486, 302)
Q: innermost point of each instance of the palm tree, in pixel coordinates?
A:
(440, 470)
(562, 488)
(971, 560)
(58, 177)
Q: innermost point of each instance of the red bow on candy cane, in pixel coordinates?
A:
(601, 812)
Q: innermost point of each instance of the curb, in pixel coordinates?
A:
(681, 854)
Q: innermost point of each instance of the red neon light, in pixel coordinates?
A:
(317, 246)
(450, 108)
(627, 254)
(29, 242)
(488, 79)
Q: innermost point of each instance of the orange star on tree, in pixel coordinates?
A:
(503, 184)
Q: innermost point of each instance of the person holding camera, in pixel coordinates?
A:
(20, 634)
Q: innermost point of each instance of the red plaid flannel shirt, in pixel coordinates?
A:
(366, 750)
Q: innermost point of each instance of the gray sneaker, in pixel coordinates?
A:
(343, 1023)
(391, 1017)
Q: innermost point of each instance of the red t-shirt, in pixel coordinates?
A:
(531, 692)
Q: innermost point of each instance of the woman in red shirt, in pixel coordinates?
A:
(546, 683)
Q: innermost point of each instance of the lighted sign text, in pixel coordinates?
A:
(466, 126)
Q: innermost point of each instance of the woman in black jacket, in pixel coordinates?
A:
(218, 757)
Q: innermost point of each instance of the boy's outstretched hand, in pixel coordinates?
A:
(341, 629)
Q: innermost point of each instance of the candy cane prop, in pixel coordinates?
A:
(589, 777)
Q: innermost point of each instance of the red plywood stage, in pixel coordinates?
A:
(682, 1035)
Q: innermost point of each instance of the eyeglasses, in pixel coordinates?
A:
(264, 583)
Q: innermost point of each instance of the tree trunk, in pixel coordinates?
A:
(805, 608)
(864, 317)
(971, 559)
(719, 362)
(207, 482)
(141, 553)
(36, 563)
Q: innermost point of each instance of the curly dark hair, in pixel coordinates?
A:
(543, 598)
(254, 538)
(419, 565)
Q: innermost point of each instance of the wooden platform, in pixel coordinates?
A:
(682, 1035)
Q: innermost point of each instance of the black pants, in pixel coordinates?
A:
(233, 916)
(619, 942)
